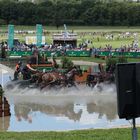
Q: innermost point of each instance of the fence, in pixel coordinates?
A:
(73, 53)
(118, 54)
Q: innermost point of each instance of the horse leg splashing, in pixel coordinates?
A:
(98, 87)
(45, 79)
(70, 76)
(49, 80)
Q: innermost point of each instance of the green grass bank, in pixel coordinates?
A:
(99, 134)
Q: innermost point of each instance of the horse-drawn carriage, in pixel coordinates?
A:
(60, 78)
(48, 79)
(91, 78)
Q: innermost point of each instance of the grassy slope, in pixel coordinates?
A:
(102, 41)
(110, 134)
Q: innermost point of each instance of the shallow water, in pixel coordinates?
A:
(65, 109)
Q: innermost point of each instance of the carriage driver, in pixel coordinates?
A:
(17, 70)
(27, 71)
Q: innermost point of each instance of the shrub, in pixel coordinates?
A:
(111, 62)
(122, 60)
(66, 63)
(114, 61)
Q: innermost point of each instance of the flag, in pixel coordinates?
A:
(39, 31)
(10, 36)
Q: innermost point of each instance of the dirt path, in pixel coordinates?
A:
(77, 62)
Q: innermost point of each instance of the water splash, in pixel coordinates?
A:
(79, 90)
(82, 94)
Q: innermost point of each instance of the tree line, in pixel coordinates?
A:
(86, 12)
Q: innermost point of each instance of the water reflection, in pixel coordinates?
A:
(73, 111)
(24, 111)
(109, 109)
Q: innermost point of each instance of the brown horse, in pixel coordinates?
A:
(52, 79)
(56, 78)
(70, 76)
(43, 80)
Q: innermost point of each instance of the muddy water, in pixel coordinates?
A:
(65, 109)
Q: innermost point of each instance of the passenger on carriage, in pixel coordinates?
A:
(27, 71)
(54, 63)
(17, 70)
(101, 69)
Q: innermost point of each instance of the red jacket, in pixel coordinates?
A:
(17, 68)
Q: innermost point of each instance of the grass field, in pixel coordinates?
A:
(78, 28)
(97, 40)
(107, 134)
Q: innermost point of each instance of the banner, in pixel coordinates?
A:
(39, 31)
(33, 39)
(10, 36)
